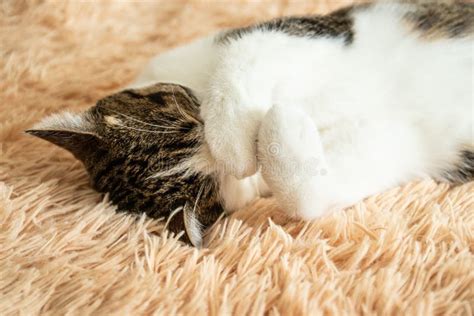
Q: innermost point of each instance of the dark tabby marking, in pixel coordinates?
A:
(464, 171)
(432, 19)
(337, 24)
(437, 19)
(134, 135)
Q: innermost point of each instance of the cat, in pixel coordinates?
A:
(130, 144)
(323, 111)
(368, 97)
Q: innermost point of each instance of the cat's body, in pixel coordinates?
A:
(366, 98)
(321, 111)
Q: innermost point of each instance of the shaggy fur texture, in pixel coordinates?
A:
(63, 249)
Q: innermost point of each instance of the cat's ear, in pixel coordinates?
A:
(73, 132)
(192, 227)
(184, 219)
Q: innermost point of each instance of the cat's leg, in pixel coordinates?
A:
(312, 172)
(293, 162)
(187, 65)
(251, 73)
(231, 127)
(238, 96)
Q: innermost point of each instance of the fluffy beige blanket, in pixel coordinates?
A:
(64, 250)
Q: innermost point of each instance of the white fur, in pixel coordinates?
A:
(189, 65)
(64, 121)
(389, 108)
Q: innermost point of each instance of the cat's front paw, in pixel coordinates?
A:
(230, 130)
(292, 160)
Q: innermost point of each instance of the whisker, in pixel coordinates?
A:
(185, 115)
(198, 196)
(172, 214)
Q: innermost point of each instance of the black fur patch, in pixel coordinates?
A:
(437, 19)
(337, 25)
(464, 171)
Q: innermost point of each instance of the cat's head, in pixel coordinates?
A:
(145, 148)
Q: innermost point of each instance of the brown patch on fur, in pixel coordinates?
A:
(463, 171)
(336, 24)
(436, 20)
(138, 138)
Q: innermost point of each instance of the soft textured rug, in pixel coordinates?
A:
(63, 249)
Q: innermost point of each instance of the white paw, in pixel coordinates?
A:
(291, 156)
(230, 130)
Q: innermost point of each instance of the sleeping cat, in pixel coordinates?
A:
(320, 111)
(135, 145)
(368, 97)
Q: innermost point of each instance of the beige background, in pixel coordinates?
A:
(63, 248)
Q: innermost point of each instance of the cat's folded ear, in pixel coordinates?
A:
(185, 220)
(73, 132)
(192, 226)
